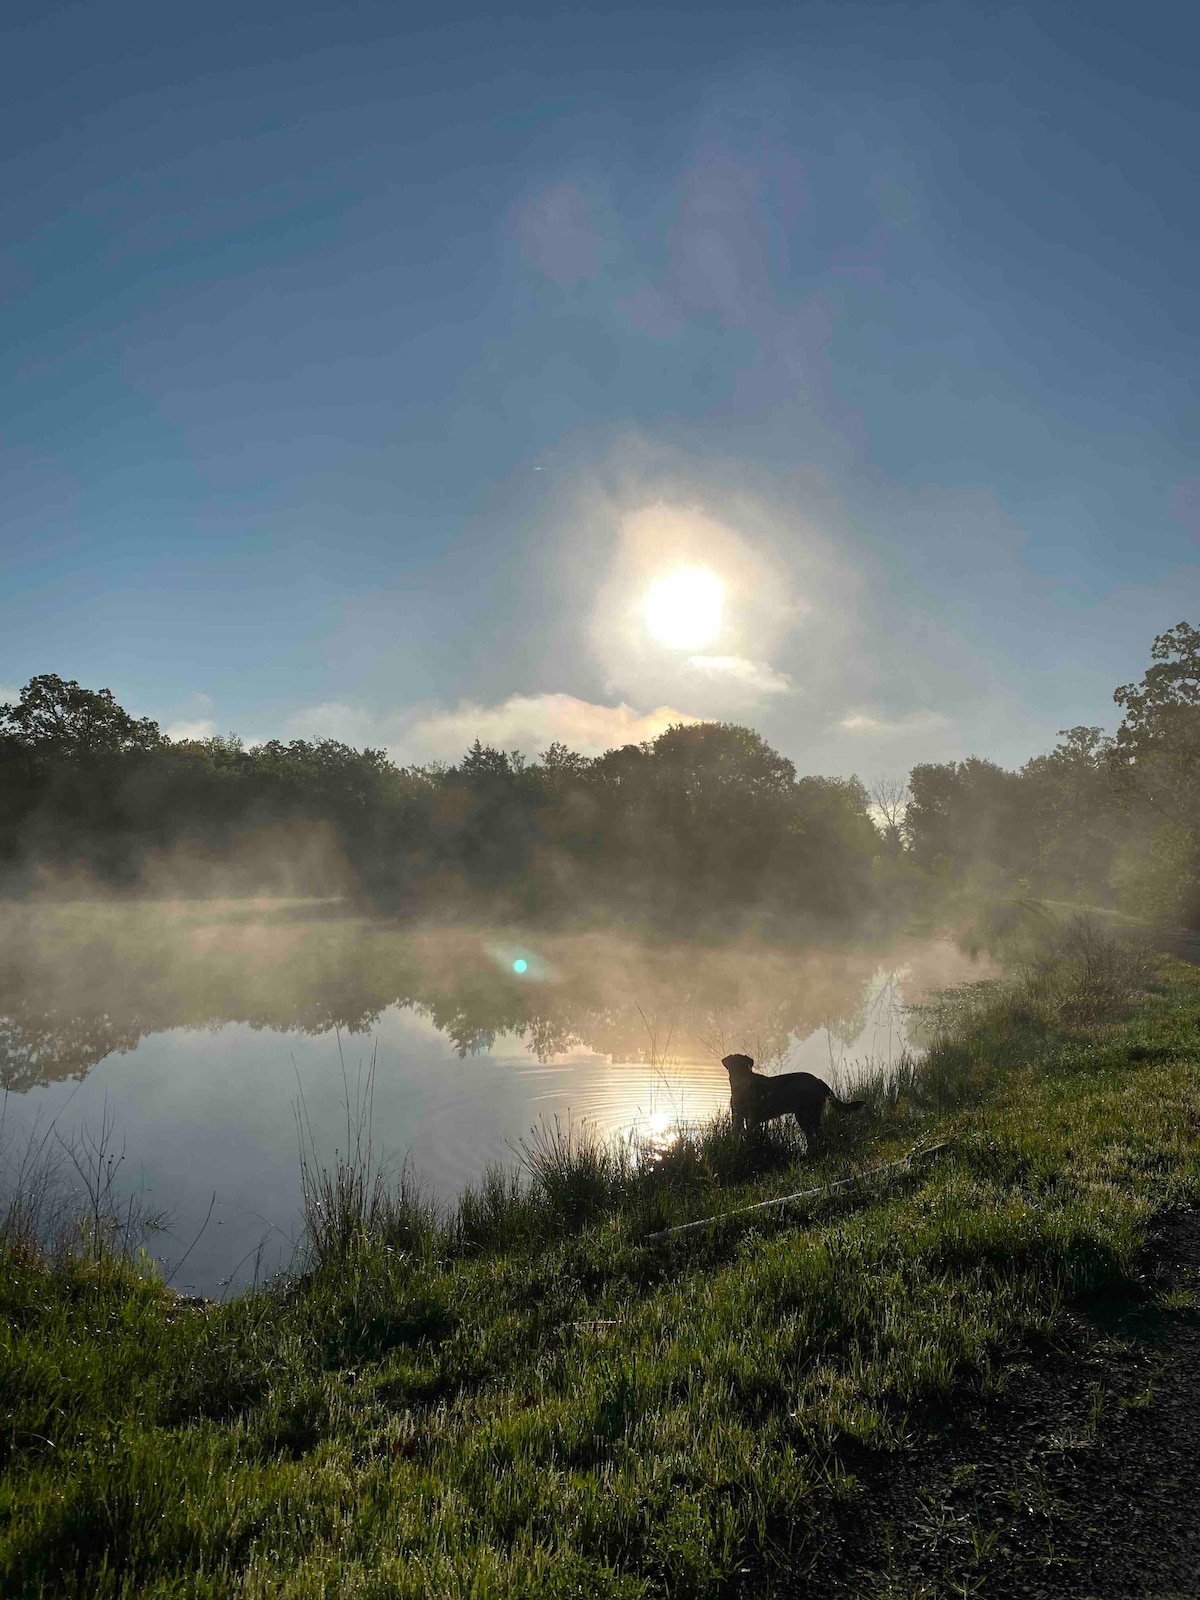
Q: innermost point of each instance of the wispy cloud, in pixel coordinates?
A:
(867, 724)
(532, 722)
(521, 722)
(656, 536)
(556, 235)
(202, 728)
(718, 270)
(352, 725)
(193, 719)
(756, 676)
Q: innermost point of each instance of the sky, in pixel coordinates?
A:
(364, 368)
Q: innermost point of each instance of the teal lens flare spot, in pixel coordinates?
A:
(520, 964)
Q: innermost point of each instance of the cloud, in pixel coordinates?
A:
(203, 728)
(555, 232)
(788, 646)
(652, 535)
(755, 676)
(718, 244)
(352, 725)
(716, 256)
(531, 722)
(866, 724)
(734, 210)
(527, 722)
(193, 719)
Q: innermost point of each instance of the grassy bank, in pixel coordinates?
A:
(524, 1398)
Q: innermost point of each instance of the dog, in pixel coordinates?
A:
(755, 1099)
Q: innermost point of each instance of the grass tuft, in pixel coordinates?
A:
(515, 1398)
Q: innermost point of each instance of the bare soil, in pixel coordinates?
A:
(1079, 1480)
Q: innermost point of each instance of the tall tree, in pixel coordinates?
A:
(57, 717)
(889, 795)
(1073, 808)
(1157, 761)
(965, 814)
(1158, 744)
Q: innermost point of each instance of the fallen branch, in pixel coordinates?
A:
(801, 1194)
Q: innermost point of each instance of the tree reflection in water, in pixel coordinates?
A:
(81, 981)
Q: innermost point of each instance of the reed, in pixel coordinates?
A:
(520, 1398)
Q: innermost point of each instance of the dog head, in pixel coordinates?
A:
(737, 1066)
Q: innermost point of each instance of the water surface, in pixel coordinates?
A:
(198, 1029)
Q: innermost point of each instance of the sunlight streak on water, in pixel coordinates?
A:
(622, 1036)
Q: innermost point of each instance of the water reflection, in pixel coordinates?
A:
(209, 1019)
(79, 983)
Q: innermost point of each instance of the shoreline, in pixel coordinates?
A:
(537, 1401)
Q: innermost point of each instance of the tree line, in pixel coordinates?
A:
(1113, 819)
(703, 825)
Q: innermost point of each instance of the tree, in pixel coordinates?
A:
(1072, 804)
(968, 814)
(702, 755)
(832, 844)
(1157, 747)
(561, 768)
(1156, 757)
(720, 799)
(890, 796)
(59, 718)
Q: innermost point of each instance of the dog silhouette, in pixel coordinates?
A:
(755, 1098)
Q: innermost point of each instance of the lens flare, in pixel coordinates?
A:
(520, 964)
(683, 608)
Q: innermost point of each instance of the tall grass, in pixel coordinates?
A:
(1088, 973)
(515, 1398)
(355, 1201)
(61, 1196)
(567, 1178)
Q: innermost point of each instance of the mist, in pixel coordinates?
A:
(198, 1030)
(213, 933)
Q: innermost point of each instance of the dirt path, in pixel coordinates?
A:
(1127, 1520)
(1080, 1482)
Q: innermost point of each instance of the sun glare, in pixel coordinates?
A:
(683, 608)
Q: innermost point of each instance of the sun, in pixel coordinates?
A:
(683, 608)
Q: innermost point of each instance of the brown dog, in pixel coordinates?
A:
(755, 1099)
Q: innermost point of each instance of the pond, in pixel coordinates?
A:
(196, 1031)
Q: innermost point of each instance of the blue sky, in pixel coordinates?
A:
(360, 371)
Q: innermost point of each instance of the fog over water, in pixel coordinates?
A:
(196, 1027)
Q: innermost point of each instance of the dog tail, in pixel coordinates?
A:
(847, 1105)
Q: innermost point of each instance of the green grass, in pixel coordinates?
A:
(521, 1398)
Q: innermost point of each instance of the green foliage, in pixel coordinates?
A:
(1076, 821)
(1157, 875)
(703, 823)
(964, 813)
(1158, 743)
(54, 718)
(1157, 766)
(1098, 818)
(557, 1409)
(702, 827)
